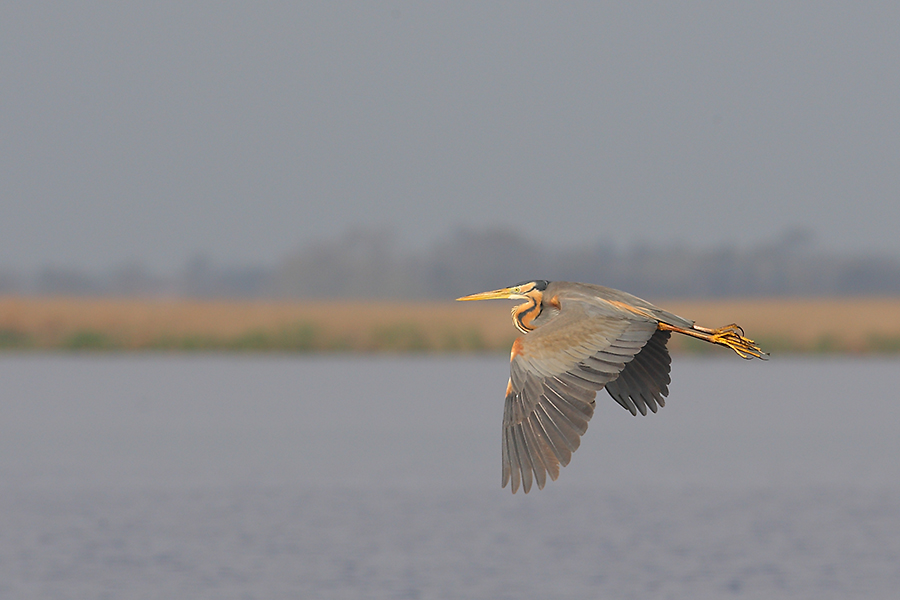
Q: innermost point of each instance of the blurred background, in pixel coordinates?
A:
(277, 202)
(409, 149)
(284, 153)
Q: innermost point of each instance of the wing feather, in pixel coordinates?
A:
(504, 479)
(598, 365)
(655, 355)
(537, 450)
(564, 425)
(555, 373)
(576, 418)
(525, 461)
(568, 391)
(646, 388)
(645, 379)
(555, 438)
(626, 380)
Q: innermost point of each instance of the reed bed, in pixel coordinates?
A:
(859, 325)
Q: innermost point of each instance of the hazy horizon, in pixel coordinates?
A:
(241, 132)
(393, 240)
(374, 263)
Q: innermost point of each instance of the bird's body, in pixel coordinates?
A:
(579, 338)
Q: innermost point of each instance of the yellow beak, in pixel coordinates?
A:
(495, 295)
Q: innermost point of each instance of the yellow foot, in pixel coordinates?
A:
(733, 337)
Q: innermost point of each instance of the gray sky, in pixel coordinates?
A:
(152, 131)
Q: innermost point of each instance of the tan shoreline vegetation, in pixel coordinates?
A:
(851, 325)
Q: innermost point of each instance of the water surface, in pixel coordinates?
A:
(149, 476)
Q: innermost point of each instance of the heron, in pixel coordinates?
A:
(578, 339)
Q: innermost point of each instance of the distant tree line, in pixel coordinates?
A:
(371, 264)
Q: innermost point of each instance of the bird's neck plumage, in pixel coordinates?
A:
(524, 315)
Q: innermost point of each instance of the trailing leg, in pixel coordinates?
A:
(730, 336)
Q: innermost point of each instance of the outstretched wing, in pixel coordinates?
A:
(644, 382)
(555, 373)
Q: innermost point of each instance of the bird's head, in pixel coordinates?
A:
(523, 315)
(526, 290)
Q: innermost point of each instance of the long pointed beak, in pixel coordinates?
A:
(494, 295)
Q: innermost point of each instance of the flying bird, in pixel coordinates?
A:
(580, 338)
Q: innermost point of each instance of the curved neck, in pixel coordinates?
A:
(525, 314)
